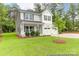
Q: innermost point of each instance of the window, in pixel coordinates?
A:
(31, 28)
(46, 28)
(29, 16)
(49, 18)
(26, 16)
(26, 28)
(45, 17)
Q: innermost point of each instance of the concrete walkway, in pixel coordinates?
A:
(68, 35)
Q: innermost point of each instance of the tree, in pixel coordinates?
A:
(38, 7)
(7, 24)
(3, 15)
(72, 14)
(77, 21)
(68, 22)
(13, 8)
(60, 23)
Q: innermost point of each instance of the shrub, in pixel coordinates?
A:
(37, 33)
(27, 33)
(33, 33)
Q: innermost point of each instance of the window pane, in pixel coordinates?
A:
(26, 28)
(31, 16)
(49, 18)
(31, 28)
(26, 16)
(45, 17)
(45, 28)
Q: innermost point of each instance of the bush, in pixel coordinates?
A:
(27, 33)
(37, 33)
(32, 33)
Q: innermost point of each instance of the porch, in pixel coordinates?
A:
(30, 26)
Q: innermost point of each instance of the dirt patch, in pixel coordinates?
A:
(59, 41)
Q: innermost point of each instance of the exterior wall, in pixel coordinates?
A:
(47, 24)
(54, 31)
(18, 24)
(22, 33)
(45, 30)
(48, 27)
(46, 12)
(37, 17)
(22, 16)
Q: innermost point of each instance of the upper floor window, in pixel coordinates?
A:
(29, 16)
(26, 16)
(47, 18)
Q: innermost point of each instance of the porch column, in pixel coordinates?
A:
(22, 30)
(29, 28)
(35, 29)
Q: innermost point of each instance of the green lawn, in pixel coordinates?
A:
(43, 46)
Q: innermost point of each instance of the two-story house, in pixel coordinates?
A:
(28, 20)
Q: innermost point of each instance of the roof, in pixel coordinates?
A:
(29, 11)
(31, 22)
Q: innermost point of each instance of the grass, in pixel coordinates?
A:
(10, 45)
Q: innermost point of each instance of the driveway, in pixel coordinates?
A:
(68, 35)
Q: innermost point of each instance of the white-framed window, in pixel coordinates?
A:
(46, 28)
(29, 16)
(26, 16)
(47, 18)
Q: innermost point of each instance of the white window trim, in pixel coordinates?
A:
(29, 18)
(47, 18)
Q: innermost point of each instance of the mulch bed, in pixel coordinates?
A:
(19, 36)
(59, 41)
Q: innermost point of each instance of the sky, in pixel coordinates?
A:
(26, 6)
(66, 6)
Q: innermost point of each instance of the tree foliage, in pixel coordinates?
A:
(60, 23)
(7, 24)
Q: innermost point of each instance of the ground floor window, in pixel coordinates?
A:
(28, 28)
(31, 28)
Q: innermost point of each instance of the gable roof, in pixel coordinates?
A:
(29, 11)
(48, 11)
(34, 12)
